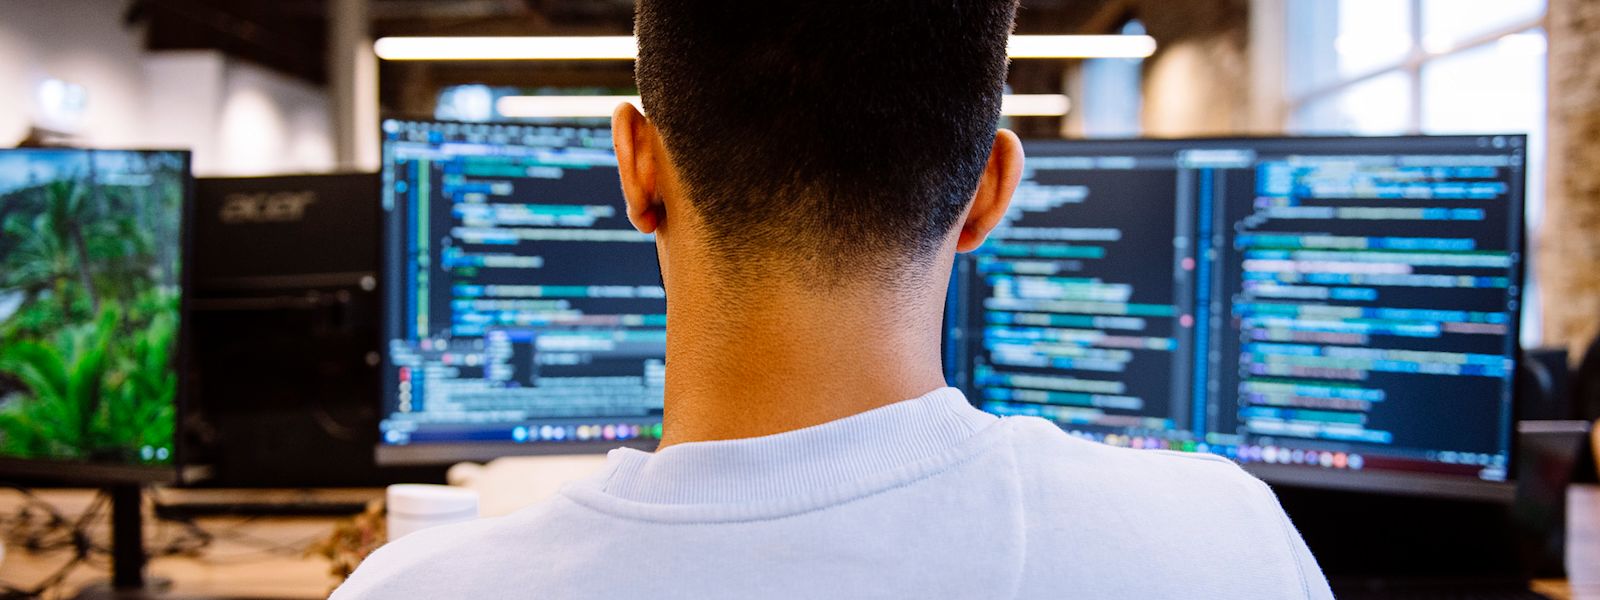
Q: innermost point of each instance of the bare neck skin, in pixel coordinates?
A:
(774, 354)
(788, 357)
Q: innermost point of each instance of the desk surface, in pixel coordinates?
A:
(248, 556)
(265, 557)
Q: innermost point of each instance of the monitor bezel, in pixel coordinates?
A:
(1370, 481)
(72, 472)
(439, 453)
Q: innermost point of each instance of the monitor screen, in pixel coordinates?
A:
(524, 313)
(1329, 311)
(91, 246)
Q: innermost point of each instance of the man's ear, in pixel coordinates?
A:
(989, 204)
(635, 141)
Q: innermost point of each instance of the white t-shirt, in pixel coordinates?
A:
(927, 498)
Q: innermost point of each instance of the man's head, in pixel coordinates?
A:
(833, 142)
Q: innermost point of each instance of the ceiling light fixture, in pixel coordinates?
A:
(556, 107)
(1081, 46)
(559, 107)
(1035, 105)
(623, 47)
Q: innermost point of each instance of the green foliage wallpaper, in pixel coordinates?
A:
(90, 243)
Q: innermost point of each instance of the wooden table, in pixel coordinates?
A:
(261, 557)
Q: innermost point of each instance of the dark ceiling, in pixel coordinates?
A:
(290, 35)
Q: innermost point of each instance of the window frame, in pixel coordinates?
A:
(1411, 65)
(1273, 107)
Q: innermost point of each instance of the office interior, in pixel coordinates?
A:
(262, 260)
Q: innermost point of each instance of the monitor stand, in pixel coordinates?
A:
(128, 558)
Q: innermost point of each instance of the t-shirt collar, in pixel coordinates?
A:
(795, 463)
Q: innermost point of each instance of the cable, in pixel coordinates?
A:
(37, 526)
(190, 540)
(79, 539)
(24, 530)
(238, 533)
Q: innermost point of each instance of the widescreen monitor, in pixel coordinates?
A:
(524, 314)
(91, 295)
(1327, 311)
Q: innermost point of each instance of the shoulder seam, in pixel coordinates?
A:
(1204, 457)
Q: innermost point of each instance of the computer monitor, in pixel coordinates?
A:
(91, 295)
(524, 314)
(1328, 311)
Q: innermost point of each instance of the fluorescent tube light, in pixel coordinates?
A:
(613, 47)
(1035, 105)
(623, 47)
(528, 107)
(557, 107)
(1081, 46)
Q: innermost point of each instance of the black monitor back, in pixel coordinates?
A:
(1367, 541)
(1585, 390)
(285, 314)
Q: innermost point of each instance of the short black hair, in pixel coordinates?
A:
(849, 134)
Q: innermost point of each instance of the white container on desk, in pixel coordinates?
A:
(413, 507)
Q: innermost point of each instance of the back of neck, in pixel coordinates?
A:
(793, 358)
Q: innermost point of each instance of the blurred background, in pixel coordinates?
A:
(260, 87)
(323, 136)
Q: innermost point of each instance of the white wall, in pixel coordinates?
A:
(184, 90)
(237, 117)
(79, 41)
(270, 123)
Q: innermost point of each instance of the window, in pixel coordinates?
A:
(1389, 67)
(1372, 106)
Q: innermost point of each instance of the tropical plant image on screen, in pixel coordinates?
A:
(90, 244)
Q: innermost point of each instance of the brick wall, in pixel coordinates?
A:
(1569, 245)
